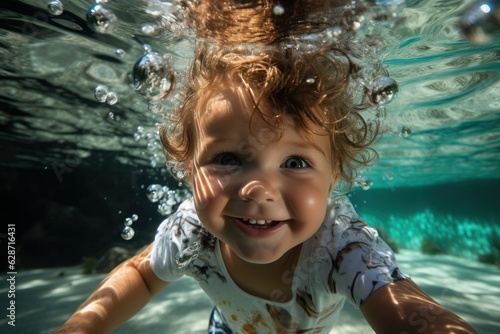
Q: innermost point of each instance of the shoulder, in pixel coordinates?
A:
(361, 261)
(179, 240)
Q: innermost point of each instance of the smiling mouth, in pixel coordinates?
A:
(259, 223)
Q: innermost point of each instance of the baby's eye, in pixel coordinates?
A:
(227, 159)
(295, 162)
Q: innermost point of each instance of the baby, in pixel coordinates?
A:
(264, 134)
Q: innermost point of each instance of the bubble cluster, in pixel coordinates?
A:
(165, 197)
(167, 203)
(103, 95)
(101, 19)
(481, 21)
(128, 232)
(154, 76)
(382, 90)
(154, 150)
(55, 7)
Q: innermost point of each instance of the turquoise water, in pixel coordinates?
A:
(73, 169)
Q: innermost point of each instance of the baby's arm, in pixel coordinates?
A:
(125, 291)
(402, 307)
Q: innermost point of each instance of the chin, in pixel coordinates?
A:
(260, 257)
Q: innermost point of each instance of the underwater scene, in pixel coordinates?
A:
(84, 181)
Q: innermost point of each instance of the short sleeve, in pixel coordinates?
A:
(178, 242)
(362, 261)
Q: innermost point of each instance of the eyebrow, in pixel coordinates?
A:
(308, 145)
(211, 142)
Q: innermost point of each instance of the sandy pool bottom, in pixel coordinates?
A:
(45, 298)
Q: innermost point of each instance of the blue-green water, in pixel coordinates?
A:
(72, 169)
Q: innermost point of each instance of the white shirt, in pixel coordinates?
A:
(345, 258)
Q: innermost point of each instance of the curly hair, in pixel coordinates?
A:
(257, 21)
(314, 88)
(311, 88)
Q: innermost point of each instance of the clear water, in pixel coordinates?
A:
(438, 176)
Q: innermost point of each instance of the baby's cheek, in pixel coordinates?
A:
(314, 194)
(204, 187)
(313, 201)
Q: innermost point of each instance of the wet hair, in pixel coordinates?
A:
(260, 21)
(314, 88)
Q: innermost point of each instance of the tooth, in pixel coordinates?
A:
(252, 221)
(268, 221)
(261, 221)
(244, 219)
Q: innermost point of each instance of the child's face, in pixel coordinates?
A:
(259, 194)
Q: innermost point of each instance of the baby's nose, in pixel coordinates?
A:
(259, 191)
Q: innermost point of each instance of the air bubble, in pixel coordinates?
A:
(153, 76)
(101, 93)
(128, 233)
(134, 217)
(111, 98)
(101, 19)
(128, 221)
(164, 208)
(336, 31)
(364, 182)
(481, 22)
(180, 175)
(55, 7)
(404, 131)
(278, 10)
(155, 192)
(148, 29)
(383, 90)
(155, 107)
(120, 53)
